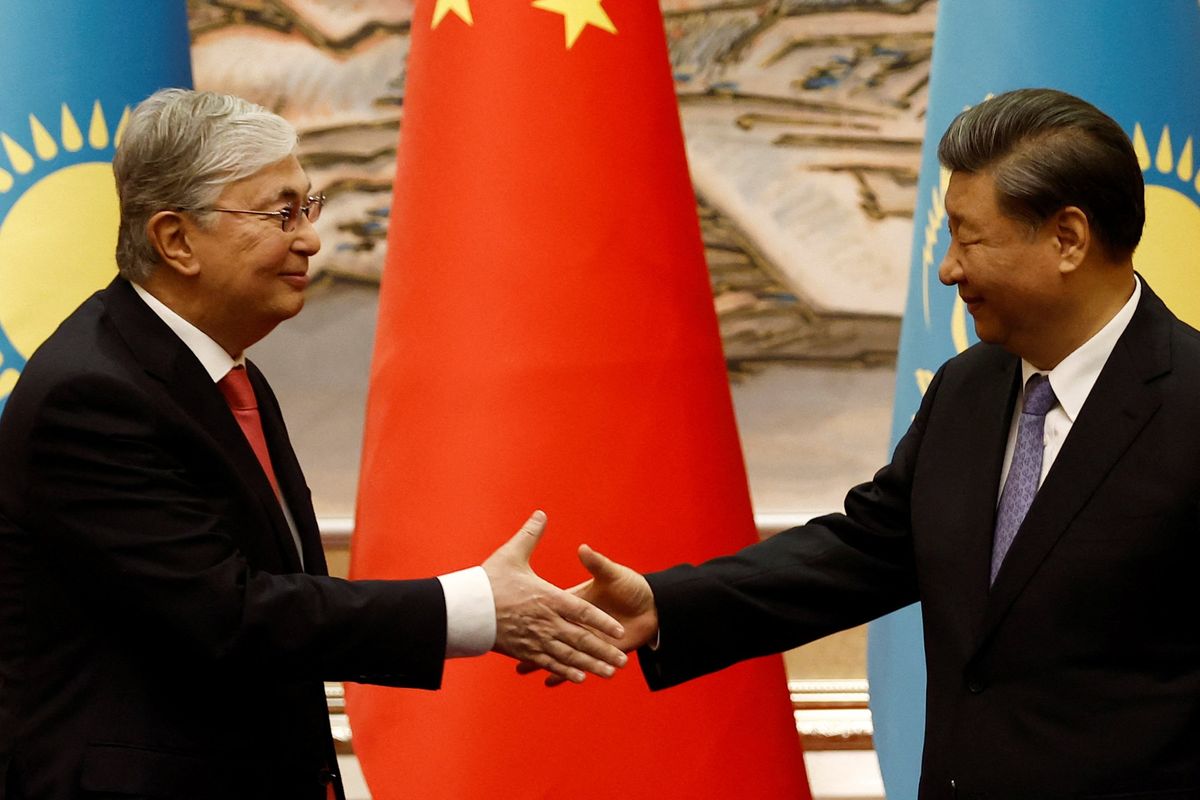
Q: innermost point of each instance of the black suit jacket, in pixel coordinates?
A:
(157, 635)
(1078, 673)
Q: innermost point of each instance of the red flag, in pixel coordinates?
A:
(547, 339)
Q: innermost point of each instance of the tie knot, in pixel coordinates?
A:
(1039, 396)
(236, 388)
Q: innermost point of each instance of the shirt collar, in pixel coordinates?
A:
(212, 356)
(1072, 380)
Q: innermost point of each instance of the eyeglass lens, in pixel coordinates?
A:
(311, 209)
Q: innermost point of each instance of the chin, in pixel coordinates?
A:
(291, 307)
(986, 332)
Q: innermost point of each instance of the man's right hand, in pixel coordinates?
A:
(620, 592)
(544, 626)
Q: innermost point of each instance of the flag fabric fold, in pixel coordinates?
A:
(547, 339)
(1139, 63)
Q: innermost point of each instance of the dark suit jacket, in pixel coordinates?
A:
(157, 635)
(1078, 673)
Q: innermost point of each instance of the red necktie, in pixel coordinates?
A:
(239, 394)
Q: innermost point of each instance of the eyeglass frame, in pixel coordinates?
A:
(284, 214)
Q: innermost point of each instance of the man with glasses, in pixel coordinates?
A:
(166, 620)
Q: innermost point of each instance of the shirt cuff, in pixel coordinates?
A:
(470, 613)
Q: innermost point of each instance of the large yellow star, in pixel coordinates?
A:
(578, 14)
(460, 7)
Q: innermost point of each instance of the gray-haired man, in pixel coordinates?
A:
(165, 617)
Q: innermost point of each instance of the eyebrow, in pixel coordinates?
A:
(288, 193)
(955, 215)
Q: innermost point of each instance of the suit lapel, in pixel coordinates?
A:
(1117, 409)
(993, 421)
(190, 387)
(288, 473)
(971, 456)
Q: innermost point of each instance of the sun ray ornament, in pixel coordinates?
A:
(1169, 254)
(67, 83)
(43, 219)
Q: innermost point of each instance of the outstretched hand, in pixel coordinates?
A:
(619, 591)
(539, 624)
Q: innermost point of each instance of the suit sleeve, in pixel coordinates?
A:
(835, 572)
(146, 533)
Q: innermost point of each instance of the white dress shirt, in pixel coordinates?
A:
(470, 606)
(1072, 381)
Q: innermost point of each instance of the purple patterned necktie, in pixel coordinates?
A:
(1025, 472)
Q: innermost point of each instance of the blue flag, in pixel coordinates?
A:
(70, 71)
(1140, 64)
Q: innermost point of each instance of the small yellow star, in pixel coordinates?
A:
(578, 14)
(460, 7)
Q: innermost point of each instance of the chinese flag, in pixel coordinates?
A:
(547, 340)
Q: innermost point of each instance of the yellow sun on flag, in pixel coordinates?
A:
(58, 237)
(1169, 255)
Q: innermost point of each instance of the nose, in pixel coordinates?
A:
(950, 271)
(305, 239)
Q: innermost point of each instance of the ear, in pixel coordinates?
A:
(1072, 237)
(170, 236)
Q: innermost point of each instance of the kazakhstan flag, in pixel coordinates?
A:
(70, 71)
(1139, 62)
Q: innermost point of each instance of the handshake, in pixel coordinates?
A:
(568, 633)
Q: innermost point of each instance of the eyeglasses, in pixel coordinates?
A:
(289, 217)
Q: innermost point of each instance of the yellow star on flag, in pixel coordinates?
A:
(578, 14)
(460, 7)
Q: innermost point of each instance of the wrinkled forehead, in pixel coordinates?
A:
(282, 182)
(971, 194)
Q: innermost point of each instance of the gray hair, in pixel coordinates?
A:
(1047, 150)
(179, 150)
